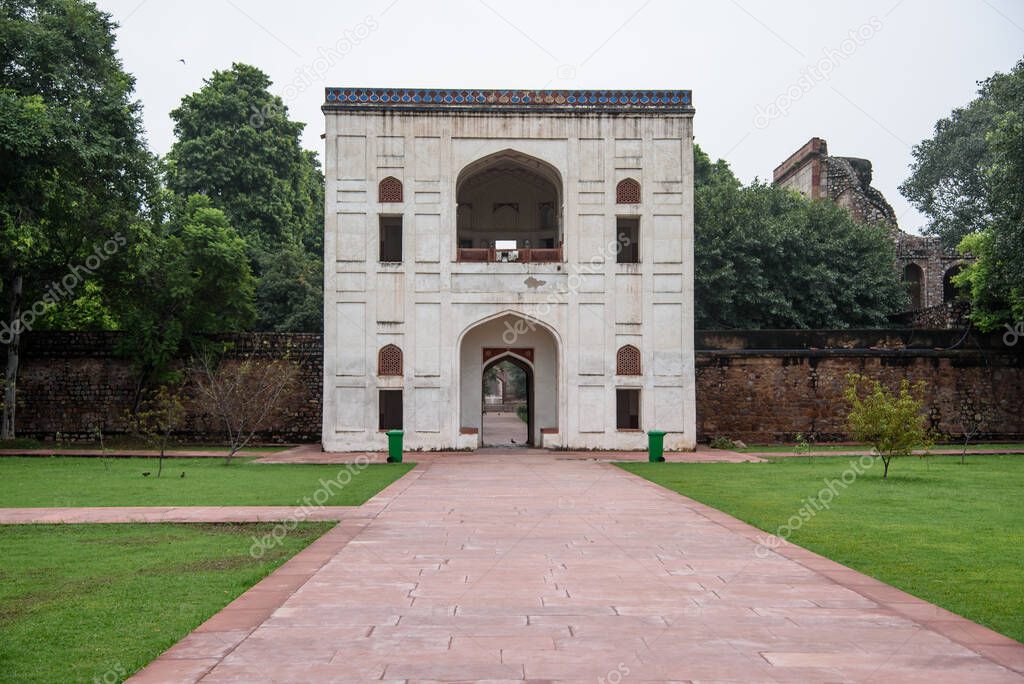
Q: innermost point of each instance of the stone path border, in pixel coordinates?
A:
(127, 453)
(866, 452)
(169, 514)
(312, 454)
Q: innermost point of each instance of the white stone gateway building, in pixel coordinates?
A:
(552, 229)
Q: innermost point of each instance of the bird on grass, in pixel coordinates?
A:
(182, 473)
(145, 474)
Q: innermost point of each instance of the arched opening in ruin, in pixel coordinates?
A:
(950, 291)
(913, 280)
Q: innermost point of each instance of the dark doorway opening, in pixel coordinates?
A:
(507, 415)
(627, 409)
(389, 405)
(913, 278)
(950, 291)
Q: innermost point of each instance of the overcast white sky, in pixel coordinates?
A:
(908, 63)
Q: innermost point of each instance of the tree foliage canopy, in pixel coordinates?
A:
(968, 178)
(192, 277)
(75, 173)
(74, 168)
(236, 145)
(769, 258)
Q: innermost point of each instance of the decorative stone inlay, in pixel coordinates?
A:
(661, 100)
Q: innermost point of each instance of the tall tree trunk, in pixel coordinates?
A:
(13, 357)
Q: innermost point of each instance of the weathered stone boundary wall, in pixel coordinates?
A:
(767, 386)
(758, 386)
(72, 381)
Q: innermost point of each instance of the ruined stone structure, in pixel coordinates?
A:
(925, 266)
(548, 228)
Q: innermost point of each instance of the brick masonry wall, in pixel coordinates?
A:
(70, 382)
(767, 386)
(758, 386)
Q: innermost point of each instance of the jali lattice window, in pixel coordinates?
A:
(627, 192)
(389, 190)
(389, 360)
(627, 361)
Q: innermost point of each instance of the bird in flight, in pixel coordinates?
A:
(182, 61)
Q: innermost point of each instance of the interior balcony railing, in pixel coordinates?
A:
(525, 255)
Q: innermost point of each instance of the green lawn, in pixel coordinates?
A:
(84, 603)
(947, 533)
(43, 481)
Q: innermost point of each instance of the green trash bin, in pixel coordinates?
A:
(656, 446)
(395, 446)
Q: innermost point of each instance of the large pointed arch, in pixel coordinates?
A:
(509, 158)
(529, 320)
(511, 202)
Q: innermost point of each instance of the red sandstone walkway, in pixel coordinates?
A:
(521, 566)
(504, 429)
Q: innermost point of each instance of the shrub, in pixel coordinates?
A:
(892, 423)
(722, 443)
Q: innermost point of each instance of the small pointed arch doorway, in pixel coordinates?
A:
(533, 347)
(507, 409)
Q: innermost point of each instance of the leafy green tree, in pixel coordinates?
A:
(237, 146)
(769, 258)
(74, 169)
(997, 298)
(893, 424)
(158, 417)
(969, 180)
(289, 294)
(951, 175)
(192, 278)
(88, 311)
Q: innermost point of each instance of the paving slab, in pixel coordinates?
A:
(503, 429)
(519, 566)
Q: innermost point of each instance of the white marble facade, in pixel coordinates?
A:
(488, 179)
